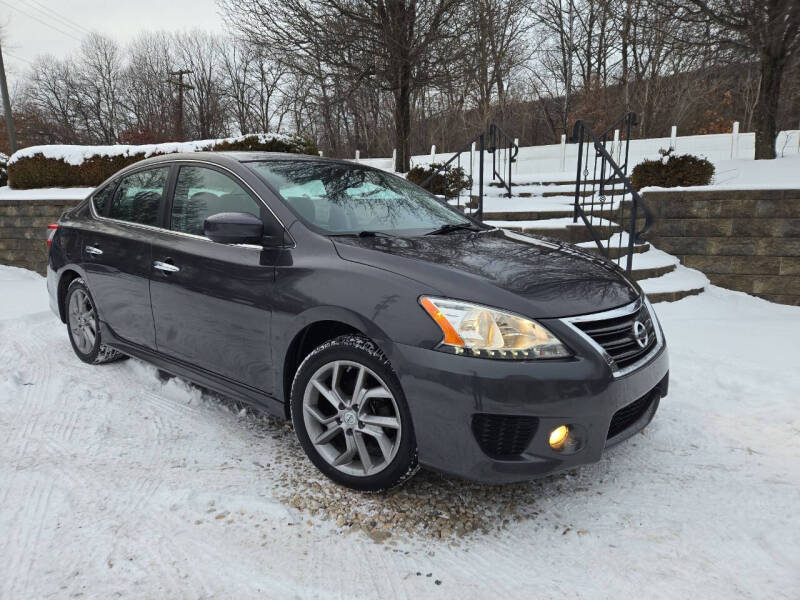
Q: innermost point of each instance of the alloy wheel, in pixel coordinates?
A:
(82, 321)
(352, 418)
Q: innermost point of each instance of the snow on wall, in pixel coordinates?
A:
(546, 159)
(75, 155)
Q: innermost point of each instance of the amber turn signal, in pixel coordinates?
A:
(451, 336)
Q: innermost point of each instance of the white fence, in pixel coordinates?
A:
(561, 158)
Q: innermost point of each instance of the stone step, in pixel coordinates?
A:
(616, 251)
(673, 296)
(574, 234)
(584, 193)
(651, 272)
(571, 193)
(528, 215)
(674, 285)
(600, 210)
(525, 182)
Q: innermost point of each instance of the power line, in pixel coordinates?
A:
(58, 17)
(61, 31)
(15, 57)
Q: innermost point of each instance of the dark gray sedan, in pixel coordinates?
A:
(390, 328)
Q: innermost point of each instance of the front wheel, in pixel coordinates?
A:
(351, 416)
(83, 326)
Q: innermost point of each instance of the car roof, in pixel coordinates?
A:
(226, 158)
(238, 156)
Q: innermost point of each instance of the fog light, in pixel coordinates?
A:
(558, 437)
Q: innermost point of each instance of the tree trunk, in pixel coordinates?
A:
(767, 107)
(402, 125)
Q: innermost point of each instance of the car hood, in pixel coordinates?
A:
(537, 277)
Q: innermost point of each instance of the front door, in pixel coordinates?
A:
(212, 302)
(117, 253)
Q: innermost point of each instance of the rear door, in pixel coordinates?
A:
(212, 302)
(117, 254)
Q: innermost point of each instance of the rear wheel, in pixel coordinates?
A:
(351, 416)
(83, 326)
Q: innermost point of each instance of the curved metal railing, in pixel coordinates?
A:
(504, 153)
(597, 192)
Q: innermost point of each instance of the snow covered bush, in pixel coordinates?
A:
(448, 183)
(88, 166)
(672, 171)
(3, 169)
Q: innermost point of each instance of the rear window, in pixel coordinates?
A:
(138, 197)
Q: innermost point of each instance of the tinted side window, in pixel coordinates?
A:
(102, 198)
(138, 196)
(201, 192)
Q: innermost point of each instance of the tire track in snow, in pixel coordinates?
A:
(22, 539)
(32, 437)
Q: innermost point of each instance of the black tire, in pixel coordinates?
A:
(360, 350)
(94, 353)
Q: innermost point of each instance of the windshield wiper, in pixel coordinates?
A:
(365, 233)
(451, 227)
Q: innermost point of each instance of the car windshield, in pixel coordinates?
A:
(344, 199)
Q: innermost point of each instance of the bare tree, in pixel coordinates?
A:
(270, 81)
(497, 35)
(199, 53)
(768, 30)
(53, 93)
(556, 19)
(365, 74)
(98, 91)
(238, 66)
(400, 45)
(147, 93)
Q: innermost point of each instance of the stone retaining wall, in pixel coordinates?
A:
(746, 240)
(23, 230)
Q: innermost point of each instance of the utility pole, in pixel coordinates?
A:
(181, 87)
(12, 136)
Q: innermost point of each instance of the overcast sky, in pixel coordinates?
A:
(33, 27)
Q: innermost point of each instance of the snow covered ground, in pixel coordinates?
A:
(733, 160)
(113, 483)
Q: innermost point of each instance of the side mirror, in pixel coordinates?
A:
(234, 228)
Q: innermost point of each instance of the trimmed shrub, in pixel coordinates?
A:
(89, 166)
(448, 183)
(3, 169)
(672, 171)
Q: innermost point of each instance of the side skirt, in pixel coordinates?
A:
(201, 377)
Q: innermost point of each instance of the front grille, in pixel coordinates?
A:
(616, 336)
(503, 436)
(628, 415)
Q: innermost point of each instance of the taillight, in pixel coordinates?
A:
(51, 232)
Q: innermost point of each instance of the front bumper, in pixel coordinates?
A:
(445, 392)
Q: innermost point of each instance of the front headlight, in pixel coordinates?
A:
(476, 330)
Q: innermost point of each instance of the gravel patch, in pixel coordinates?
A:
(430, 505)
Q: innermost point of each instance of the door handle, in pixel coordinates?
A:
(93, 250)
(166, 267)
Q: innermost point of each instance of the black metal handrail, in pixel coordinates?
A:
(503, 150)
(480, 140)
(504, 154)
(604, 190)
